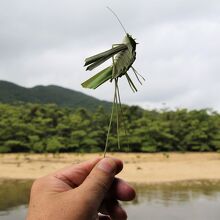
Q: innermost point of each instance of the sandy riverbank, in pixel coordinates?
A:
(138, 168)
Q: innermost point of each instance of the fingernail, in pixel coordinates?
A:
(107, 165)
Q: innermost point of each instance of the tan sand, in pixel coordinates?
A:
(138, 168)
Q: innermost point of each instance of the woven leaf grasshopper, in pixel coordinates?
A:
(123, 56)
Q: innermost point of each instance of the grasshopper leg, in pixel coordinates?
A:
(116, 96)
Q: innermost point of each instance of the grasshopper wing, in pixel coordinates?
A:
(98, 79)
(100, 58)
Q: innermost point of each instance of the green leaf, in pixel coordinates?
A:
(98, 79)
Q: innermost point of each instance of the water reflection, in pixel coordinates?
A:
(13, 193)
(181, 192)
(177, 201)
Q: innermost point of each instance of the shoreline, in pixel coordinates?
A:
(139, 168)
(182, 183)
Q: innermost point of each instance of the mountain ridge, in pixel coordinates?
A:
(11, 93)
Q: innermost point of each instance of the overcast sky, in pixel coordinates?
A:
(45, 42)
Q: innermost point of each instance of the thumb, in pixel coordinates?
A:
(99, 181)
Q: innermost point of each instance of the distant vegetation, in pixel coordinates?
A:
(11, 93)
(49, 128)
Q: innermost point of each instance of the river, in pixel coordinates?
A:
(174, 201)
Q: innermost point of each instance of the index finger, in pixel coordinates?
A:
(75, 174)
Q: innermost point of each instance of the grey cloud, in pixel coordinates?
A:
(45, 42)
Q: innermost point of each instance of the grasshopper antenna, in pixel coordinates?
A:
(117, 18)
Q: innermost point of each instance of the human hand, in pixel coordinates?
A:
(80, 192)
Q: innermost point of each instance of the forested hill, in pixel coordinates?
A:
(12, 93)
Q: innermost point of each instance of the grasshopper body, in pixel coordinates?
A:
(123, 56)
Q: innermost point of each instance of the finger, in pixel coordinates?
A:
(121, 190)
(115, 210)
(75, 174)
(103, 217)
(99, 181)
